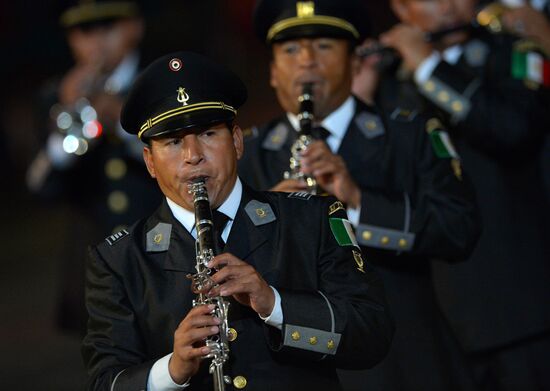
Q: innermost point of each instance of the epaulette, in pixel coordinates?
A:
(301, 195)
(116, 237)
(403, 115)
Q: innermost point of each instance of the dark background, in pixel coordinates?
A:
(33, 353)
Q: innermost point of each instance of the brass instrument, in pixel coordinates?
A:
(201, 283)
(303, 140)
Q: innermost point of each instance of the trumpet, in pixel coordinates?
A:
(303, 140)
(201, 283)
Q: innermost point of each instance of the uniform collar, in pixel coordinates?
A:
(229, 207)
(123, 75)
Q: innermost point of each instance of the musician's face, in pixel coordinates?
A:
(325, 62)
(102, 48)
(175, 160)
(435, 15)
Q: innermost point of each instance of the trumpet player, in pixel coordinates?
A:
(408, 199)
(303, 299)
(87, 165)
(491, 89)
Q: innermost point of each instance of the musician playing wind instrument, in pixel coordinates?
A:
(491, 88)
(393, 170)
(302, 299)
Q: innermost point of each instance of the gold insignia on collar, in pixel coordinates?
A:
(335, 207)
(158, 238)
(305, 9)
(358, 261)
(261, 213)
(183, 97)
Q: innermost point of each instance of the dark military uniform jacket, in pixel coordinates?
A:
(333, 304)
(413, 202)
(497, 123)
(413, 208)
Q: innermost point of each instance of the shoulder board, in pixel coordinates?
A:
(403, 115)
(301, 195)
(116, 237)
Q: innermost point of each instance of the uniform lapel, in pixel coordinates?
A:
(181, 251)
(246, 239)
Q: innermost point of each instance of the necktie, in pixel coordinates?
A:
(320, 133)
(219, 220)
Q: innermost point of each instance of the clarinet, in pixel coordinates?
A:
(201, 283)
(303, 140)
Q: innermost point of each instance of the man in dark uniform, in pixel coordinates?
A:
(496, 302)
(88, 163)
(406, 196)
(303, 299)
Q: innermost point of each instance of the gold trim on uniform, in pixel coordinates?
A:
(315, 19)
(359, 261)
(181, 110)
(305, 9)
(335, 207)
(91, 12)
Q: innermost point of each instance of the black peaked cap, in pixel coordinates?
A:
(82, 13)
(279, 20)
(179, 91)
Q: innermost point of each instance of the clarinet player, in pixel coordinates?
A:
(303, 300)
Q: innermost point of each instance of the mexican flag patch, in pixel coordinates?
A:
(343, 232)
(442, 145)
(531, 66)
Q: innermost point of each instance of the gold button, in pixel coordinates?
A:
(295, 336)
(239, 382)
(429, 86)
(402, 243)
(118, 201)
(313, 341)
(385, 240)
(443, 96)
(367, 235)
(231, 334)
(115, 168)
(330, 344)
(457, 106)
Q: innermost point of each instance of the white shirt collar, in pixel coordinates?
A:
(336, 122)
(229, 208)
(452, 54)
(123, 75)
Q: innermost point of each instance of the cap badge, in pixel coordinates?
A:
(183, 97)
(305, 9)
(175, 64)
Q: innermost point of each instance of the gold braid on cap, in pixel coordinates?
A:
(183, 110)
(91, 12)
(313, 19)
